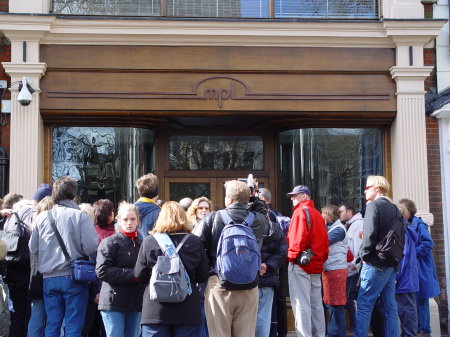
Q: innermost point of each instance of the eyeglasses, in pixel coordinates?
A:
(368, 187)
(203, 208)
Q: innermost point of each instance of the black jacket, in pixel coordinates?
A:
(192, 255)
(273, 254)
(116, 258)
(379, 214)
(211, 226)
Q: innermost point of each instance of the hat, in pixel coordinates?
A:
(299, 189)
(43, 191)
(3, 250)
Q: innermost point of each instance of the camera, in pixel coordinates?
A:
(305, 257)
(25, 91)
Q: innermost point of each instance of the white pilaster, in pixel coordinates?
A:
(402, 9)
(409, 151)
(27, 133)
(29, 6)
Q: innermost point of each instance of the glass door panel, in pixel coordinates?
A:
(179, 188)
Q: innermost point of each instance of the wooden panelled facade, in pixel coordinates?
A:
(216, 91)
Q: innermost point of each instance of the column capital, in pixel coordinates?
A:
(18, 70)
(410, 80)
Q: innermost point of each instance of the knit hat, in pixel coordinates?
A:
(43, 191)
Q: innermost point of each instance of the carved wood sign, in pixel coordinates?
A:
(217, 88)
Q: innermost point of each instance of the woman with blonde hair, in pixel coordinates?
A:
(120, 301)
(172, 319)
(198, 209)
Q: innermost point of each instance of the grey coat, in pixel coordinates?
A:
(78, 234)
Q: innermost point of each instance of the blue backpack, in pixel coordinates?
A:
(238, 254)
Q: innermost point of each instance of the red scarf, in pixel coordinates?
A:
(132, 236)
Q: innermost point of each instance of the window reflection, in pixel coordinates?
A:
(179, 191)
(333, 163)
(216, 153)
(105, 161)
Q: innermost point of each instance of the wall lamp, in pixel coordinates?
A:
(25, 91)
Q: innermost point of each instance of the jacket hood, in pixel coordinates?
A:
(357, 216)
(68, 203)
(145, 208)
(416, 221)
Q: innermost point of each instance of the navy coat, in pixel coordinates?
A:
(428, 282)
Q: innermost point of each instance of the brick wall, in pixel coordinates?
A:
(435, 191)
(435, 194)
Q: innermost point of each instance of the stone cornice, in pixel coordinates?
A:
(411, 72)
(160, 31)
(18, 70)
(442, 113)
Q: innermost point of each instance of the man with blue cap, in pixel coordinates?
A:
(308, 250)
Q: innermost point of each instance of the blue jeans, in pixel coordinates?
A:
(170, 330)
(264, 317)
(423, 314)
(377, 282)
(121, 324)
(65, 300)
(336, 322)
(36, 325)
(352, 295)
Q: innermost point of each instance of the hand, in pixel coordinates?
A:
(97, 298)
(263, 269)
(6, 213)
(351, 267)
(360, 234)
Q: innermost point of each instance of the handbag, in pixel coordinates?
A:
(81, 270)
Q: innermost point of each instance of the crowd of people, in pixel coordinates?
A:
(228, 271)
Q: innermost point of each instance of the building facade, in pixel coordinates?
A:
(210, 91)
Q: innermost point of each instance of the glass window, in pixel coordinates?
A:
(216, 153)
(333, 163)
(178, 191)
(349, 9)
(105, 161)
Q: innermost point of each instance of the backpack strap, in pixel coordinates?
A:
(249, 219)
(58, 236)
(166, 244)
(308, 217)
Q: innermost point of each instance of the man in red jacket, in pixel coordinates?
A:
(307, 235)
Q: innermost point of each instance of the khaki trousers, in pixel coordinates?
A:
(230, 313)
(305, 291)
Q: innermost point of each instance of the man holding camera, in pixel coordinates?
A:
(308, 250)
(231, 312)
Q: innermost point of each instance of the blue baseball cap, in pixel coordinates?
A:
(299, 189)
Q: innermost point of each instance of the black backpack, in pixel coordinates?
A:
(16, 238)
(390, 248)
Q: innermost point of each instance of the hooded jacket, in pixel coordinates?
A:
(354, 226)
(148, 213)
(300, 238)
(408, 275)
(428, 282)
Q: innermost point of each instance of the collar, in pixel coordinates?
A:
(144, 199)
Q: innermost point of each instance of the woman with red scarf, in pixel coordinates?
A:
(121, 295)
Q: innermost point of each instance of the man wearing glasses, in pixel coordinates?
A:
(377, 278)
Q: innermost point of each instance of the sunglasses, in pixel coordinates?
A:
(203, 208)
(368, 187)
